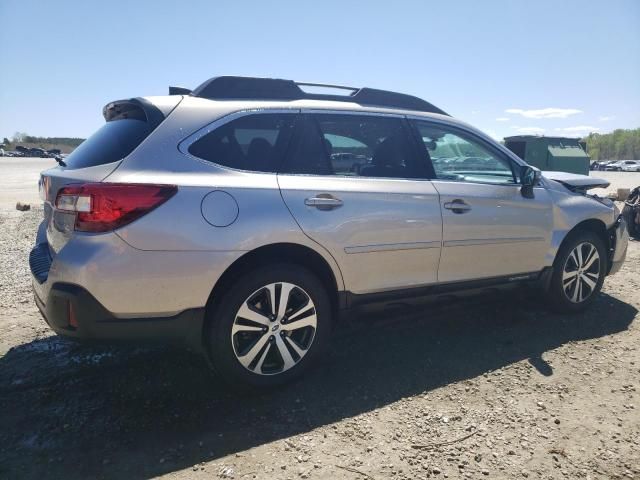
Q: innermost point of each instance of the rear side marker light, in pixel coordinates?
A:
(102, 207)
(73, 321)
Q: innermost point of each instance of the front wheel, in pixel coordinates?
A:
(270, 326)
(578, 272)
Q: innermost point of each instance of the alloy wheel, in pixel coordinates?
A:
(581, 272)
(274, 328)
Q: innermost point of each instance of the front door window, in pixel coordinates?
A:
(456, 157)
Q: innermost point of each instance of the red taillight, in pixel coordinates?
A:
(101, 207)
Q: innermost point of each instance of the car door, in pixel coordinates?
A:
(353, 184)
(489, 228)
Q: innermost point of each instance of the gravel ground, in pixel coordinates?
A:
(19, 179)
(487, 388)
(617, 180)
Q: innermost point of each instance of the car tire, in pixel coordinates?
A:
(253, 343)
(578, 272)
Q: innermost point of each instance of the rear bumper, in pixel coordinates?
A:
(129, 282)
(117, 292)
(72, 311)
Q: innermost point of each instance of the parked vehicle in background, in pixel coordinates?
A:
(616, 166)
(612, 167)
(223, 218)
(53, 153)
(600, 165)
(630, 166)
(37, 152)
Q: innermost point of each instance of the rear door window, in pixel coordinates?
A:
(253, 142)
(112, 142)
(354, 145)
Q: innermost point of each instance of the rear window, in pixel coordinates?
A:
(253, 142)
(112, 142)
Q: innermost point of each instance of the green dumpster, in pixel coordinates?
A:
(560, 154)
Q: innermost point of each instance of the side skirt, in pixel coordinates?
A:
(540, 279)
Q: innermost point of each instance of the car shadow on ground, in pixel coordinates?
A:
(77, 411)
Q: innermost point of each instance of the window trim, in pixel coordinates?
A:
(185, 143)
(514, 166)
(305, 116)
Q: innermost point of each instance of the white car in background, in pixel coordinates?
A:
(630, 165)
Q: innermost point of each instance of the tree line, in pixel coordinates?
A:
(620, 144)
(20, 138)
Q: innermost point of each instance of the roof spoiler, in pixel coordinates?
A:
(179, 91)
(133, 109)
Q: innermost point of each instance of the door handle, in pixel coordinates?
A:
(457, 206)
(323, 202)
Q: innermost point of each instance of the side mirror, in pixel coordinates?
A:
(529, 178)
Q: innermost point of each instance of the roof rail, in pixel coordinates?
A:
(252, 88)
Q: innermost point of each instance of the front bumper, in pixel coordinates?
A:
(619, 239)
(72, 311)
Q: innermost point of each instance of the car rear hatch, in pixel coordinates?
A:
(128, 124)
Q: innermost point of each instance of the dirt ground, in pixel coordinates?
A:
(493, 387)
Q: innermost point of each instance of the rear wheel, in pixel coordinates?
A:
(579, 272)
(270, 326)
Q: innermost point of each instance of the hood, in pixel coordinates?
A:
(576, 182)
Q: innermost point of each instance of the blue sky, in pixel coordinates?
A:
(506, 66)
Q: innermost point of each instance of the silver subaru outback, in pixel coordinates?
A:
(245, 216)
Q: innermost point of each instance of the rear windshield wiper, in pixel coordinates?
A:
(60, 161)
